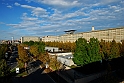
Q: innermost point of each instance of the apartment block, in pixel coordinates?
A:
(30, 38)
(50, 38)
(108, 35)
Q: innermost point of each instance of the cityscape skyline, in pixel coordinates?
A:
(46, 17)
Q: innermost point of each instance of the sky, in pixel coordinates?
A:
(53, 17)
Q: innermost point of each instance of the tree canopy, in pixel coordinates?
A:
(86, 52)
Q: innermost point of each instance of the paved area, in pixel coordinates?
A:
(36, 77)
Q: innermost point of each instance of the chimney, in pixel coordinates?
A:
(92, 28)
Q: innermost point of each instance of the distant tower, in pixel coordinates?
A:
(12, 40)
(92, 28)
(21, 39)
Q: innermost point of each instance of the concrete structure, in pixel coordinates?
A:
(30, 38)
(52, 49)
(108, 35)
(61, 53)
(64, 58)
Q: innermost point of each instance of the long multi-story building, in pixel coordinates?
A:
(50, 38)
(30, 38)
(108, 35)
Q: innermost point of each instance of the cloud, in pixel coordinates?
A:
(29, 19)
(27, 6)
(17, 4)
(59, 3)
(39, 12)
(23, 25)
(25, 18)
(9, 6)
(108, 1)
(36, 11)
(63, 3)
(49, 31)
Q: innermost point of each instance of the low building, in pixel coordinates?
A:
(61, 53)
(52, 49)
(64, 58)
(30, 38)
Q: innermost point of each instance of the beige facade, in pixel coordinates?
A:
(30, 38)
(108, 35)
(70, 37)
(50, 38)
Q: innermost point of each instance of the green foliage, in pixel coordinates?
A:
(3, 50)
(66, 46)
(81, 54)
(40, 45)
(54, 64)
(114, 50)
(34, 50)
(122, 48)
(23, 54)
(30, 43)
(105, 49)
(86, 52)
(94, 50)
(4, 69)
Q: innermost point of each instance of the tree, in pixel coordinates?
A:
(34, 50)
(41, 47)
(104, 49)
(54, 64)
(94, 50)
(4, 69)
(44, 57)
(23, 53)
(80, 55)
(122, 48)
(30, 43)
(114, 50)
(3, 50)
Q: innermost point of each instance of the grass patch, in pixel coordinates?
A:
(22, 74)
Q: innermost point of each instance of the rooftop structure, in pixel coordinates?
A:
(70, 31)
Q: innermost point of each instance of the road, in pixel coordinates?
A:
(12, 62)
(35, 73)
